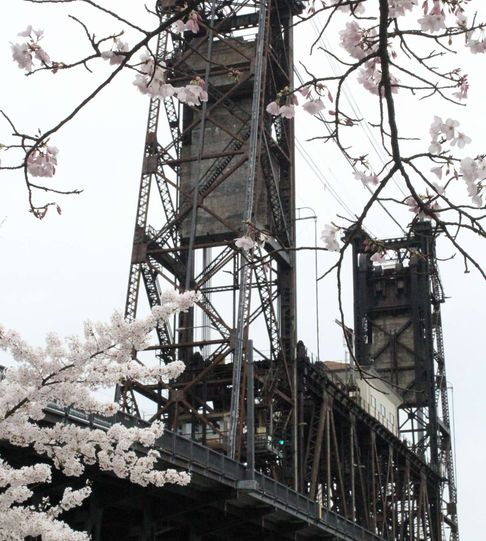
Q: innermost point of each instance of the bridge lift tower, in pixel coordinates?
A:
(227, 170)
(222, 170)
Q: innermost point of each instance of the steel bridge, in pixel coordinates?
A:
(225, 169)
(278, 446)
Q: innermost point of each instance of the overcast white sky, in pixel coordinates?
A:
(58, 272)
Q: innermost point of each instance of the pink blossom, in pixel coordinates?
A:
(353, 40)
(417, 209)
(166, 91)
(463, 85)
(461, 140)
(437, 171)
(287, 111)
(187, 96)
(398, 8)
(42, 162)
(436, 127)
(313, 107)
(273, 108)
(366, 179)
(461, 20)
(378, 257)
(113, 56)
(245, 243)
(469, 169)
(477, 46)
(448, 128)
(22, 55)
(432, 22)
(304, 91)
(151, 77)
(435, 147)
(370, 76)
(40, 54)
(74, 368)
(193, 94)
(192, 24)
(26, 33)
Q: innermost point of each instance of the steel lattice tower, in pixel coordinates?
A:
(226, 171)
(398, 332)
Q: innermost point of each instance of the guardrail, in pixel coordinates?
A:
(196, 458)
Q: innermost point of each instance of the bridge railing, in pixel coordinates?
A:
(194, 457)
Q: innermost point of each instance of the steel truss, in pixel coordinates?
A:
(398, 333)
(244, 54)
(224, 169)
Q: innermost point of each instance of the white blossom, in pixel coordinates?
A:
(193, 94)
(25, 53)
(329, 238)
(21, 53)
(313, 107)
(433, 22)
(366, 179)
(461, 140)
(66, 372)
(245, 243)
(113, 55)
(353, 40)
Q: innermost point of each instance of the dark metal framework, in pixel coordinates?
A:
(227, 170)
(223, 169)
(398, 333)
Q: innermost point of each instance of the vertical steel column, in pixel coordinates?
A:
(245, 266)
(250, 414)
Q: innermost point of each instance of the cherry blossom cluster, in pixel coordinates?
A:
(359, 43)
(442, 132)
(285, 103)
(245, 243)
(433, 20)
(474, 174)
(253, 238)
(329, 237)
(399, 8)
(366, 179)
(113, 55)
(26, 53)
(66, 372)
(377, 249)
(354, 40)
(428, 202)
(42, 161)
(370, 76)
(152, 80)
(191, 25)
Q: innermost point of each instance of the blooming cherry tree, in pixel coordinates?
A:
(387, 50)
(67, 373)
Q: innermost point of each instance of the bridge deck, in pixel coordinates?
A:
(261, 500)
